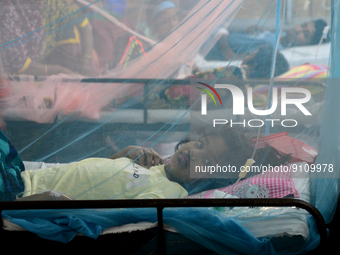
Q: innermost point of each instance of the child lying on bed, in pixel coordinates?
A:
(137, 172)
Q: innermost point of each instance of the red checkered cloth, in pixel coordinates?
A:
(276, 184)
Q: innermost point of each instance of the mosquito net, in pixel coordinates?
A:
(127, 99)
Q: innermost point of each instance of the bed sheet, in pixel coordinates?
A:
(312, 54)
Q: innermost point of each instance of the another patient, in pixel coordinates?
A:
(137, 172)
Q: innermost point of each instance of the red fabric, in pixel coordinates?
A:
(279, 184)
(299, 150)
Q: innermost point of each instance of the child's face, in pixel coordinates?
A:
(207, 151)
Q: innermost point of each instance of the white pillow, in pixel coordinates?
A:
(302, 181)
(313, 54)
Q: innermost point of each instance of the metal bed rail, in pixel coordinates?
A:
(160, 204)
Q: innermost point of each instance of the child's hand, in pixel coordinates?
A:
(143, 156)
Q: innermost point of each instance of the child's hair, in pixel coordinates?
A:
(319, 24)
(241, 147)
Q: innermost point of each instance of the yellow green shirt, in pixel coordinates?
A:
(100, 178)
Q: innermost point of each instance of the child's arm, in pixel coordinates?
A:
(47, 195)
(144, 156)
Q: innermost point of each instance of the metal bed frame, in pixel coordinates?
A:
(170, 203)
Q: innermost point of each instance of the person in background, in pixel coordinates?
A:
(258, 65)
(44, 37)
(114, 46)
(140, 173)
(308, 33)
(163, 20)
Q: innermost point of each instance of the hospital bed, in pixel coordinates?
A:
(287, 229)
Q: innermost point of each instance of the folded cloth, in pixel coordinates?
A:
(11, 166)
